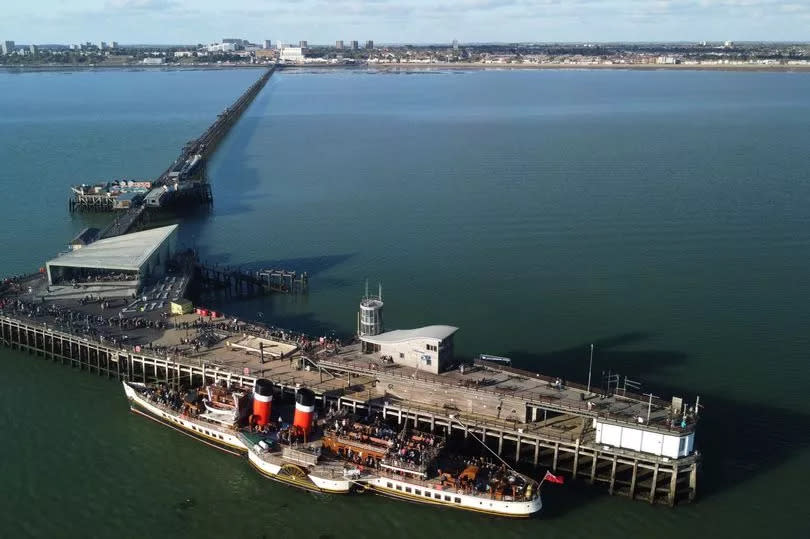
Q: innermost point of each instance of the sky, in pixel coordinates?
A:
(403, 21)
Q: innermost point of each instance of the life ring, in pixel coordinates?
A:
(390, 386)
(359, 489)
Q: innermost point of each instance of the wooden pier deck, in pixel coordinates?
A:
(554, 434)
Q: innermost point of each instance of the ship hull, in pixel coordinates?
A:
(210, 435)
(386, 486)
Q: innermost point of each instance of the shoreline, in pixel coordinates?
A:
(420, 67)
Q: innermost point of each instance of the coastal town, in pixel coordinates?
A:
(244, 52)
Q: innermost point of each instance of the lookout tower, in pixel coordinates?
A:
(370, 317)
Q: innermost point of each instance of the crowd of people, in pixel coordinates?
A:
(165, 396)
(415, 451)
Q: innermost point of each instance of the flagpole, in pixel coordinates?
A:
(590, 366)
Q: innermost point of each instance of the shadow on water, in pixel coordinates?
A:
(738, 440)
(313, 265)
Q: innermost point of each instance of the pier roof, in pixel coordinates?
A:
(127, 252)
(404, 335)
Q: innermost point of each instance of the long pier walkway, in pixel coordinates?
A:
(184, 182)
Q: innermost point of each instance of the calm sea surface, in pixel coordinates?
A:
(663, 216)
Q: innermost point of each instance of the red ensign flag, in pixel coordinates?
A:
(551, 478)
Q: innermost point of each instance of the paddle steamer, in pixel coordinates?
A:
(222, 418)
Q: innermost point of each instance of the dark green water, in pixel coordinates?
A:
(662, 215)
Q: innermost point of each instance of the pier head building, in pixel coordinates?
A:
(124, 261)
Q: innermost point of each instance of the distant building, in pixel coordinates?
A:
(113, 44)
(292, 54)
(355, 45)
(369, 44)
(339, 44)
(728, 44)
(303, 43)
(279, 44)
(222, 47)
(666, 60)
(8, 47)
(153, 61)
(102, 45)
(238, 44)
(34, 49)
(268, 44)
(455, 44)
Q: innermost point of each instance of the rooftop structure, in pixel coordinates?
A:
(130, 257)
(428, 348)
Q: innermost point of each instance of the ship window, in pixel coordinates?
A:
(402, 355)
(447, 498)
(390, 485)
(407, 489)
(437, 496)
(399, 487)
(457, 500)
(417, 492)
(427, 494)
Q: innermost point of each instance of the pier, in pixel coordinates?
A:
(183, 184)
(637, 446)
(240, 282)
(538, 423)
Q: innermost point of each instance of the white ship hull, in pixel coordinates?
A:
(419, 493)
(208, 433)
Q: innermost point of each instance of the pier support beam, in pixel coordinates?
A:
(612, 475)
(673, 485)
(633, 480)
(654, 483)
(693, 482)
(556, 454)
